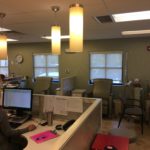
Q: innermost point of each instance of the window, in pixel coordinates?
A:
(4, 67)
(106, 65)
(46, 65)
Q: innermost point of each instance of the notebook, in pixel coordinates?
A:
(44, 136)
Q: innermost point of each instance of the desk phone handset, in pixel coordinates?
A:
(65, 126)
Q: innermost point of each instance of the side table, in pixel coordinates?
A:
(78, 92)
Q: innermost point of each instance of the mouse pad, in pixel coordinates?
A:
(43, 136)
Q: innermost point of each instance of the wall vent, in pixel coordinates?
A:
(103, 19)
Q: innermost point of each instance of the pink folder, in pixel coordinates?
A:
(43, 136)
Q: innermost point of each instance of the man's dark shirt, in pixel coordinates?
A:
(6, 131)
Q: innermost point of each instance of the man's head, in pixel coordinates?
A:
(2, 77)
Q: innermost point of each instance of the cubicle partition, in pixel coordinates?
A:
(65, 107)
(67, 84)
(81, 134)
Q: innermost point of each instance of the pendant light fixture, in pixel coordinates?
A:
(56, 35)
(3, 41)
(76, 28)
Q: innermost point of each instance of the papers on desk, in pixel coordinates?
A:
(62, 104)
(12, 85)
(48, 103)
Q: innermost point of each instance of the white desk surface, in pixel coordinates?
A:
(45, 145)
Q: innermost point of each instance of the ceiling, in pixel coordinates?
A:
(32, 19)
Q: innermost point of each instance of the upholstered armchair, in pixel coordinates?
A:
(102, 88)
(42, 85)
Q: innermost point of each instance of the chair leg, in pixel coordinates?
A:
(121, 117)
(109, 112)
(110, 108)
(142, 124)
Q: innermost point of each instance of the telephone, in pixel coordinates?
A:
(65, 126)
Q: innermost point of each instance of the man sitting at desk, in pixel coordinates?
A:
(2, 77)
(12, 139)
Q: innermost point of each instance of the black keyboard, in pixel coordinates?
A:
(17, 119)
(14, 124)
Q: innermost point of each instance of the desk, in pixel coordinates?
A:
(45, 145)
(101, 140)
(85, 127)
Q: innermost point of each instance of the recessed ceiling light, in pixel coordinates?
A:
(132, 16)
(4, 29)
(62, 37)
(135, 32)
(11, 40)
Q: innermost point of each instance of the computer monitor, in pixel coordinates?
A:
(17, 99)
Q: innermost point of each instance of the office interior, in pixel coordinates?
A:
(104, 38)
(78, 63)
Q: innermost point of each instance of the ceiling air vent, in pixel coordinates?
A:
(103, 19)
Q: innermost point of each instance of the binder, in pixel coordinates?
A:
(44, 136)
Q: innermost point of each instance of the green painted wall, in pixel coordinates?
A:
(78, 64)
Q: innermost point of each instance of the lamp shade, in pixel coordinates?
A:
(3, 47)
(56, 39)
(76, 28)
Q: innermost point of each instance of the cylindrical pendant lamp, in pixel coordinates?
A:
(56, 39)
(76, 28)
(3, 47)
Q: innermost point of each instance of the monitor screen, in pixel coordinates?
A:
(17, 98)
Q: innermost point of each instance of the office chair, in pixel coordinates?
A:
(102, 88)
(42, 85)
(133, 104)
